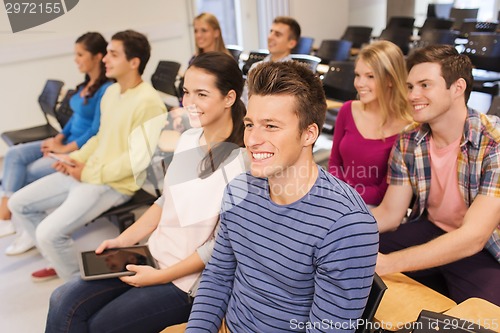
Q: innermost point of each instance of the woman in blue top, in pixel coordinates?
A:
(25, 163)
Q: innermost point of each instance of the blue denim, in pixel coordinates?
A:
(74, 204)
(23, 164)
(113, 306)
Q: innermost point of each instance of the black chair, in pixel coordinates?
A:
(48, 103)
(434, 36)
(311, 61)
(432, 322)
(399, 36)
(338, 84)
(165, 77)
(64, 111)
(357, 35)
(494, 107)
(439, 10)
(376, 293)
(434, 23)
(396, 22)
(459, 14)
(334, 49)
(483, 48)
(253, 57)
(304, 46)
(235, 51)
(472, 25)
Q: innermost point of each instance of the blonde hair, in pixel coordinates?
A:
(389, 68)
(212, 21)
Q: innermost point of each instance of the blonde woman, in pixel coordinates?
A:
(208, 38)
(208, 35)
(366, 129)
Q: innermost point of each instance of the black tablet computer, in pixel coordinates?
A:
(112, 262)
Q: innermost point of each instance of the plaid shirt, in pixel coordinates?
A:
(478, 164)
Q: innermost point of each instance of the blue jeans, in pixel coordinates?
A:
(113, 306)
(23, 164)
(75, 203)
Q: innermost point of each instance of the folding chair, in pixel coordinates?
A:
(48, 103)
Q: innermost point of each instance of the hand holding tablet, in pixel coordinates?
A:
(112, 262)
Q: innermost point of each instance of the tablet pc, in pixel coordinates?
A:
(112, 262)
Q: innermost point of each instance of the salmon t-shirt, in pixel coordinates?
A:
(446, 206)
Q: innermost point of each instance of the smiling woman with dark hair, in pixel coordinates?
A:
(181, 238)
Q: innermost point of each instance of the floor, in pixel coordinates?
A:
(24, 304)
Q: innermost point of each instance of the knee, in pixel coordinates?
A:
(15, 204)
(47, 235)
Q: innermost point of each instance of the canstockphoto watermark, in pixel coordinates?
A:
(26, 14)
(328, 324)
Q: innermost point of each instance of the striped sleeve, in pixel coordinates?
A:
(215, 287)
(345, 266)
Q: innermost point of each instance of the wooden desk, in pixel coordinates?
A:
(404, 299)
(478, 311)
(331, 104)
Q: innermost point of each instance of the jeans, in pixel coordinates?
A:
(23, 164)
(110, 305)
(75, 203)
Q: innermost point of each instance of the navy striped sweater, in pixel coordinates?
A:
(307, 266)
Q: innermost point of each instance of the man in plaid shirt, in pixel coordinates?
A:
(449, 162)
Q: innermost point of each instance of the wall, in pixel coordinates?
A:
(321, 19)
(29, 58)
(371, 13)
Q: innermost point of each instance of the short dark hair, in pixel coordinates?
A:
(292, 23)
(453, 64)
(294, 79)
(135, 45)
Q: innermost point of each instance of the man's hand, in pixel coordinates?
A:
(144, 276)
(383, 266)
(76, 170)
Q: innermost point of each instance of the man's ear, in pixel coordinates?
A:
(459, 86)
(310, 134)
(134, 63)
(230, 98)
(292, 43)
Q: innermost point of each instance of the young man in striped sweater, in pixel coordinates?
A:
(297, 248)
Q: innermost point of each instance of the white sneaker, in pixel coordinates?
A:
(21, 244)
(6, 228)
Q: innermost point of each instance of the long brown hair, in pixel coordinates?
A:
(228, 77)
(94, 43)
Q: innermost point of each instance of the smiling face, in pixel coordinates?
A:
(427, 93)
(365, 83)
(205, 104)
(205, 36)
(85, 60)
(274, 143)
(279, 41)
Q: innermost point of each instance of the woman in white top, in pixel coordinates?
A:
(181, 223)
